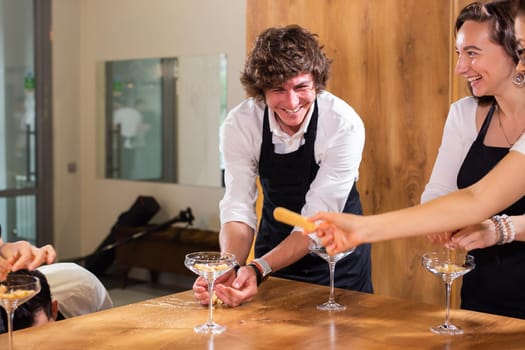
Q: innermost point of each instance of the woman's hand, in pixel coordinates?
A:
(477, 236)
(23, 255)
(338, 231)
(443, 238)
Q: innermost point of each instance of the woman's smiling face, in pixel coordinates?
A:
(485, 64)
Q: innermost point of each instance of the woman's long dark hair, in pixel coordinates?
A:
(518, 8)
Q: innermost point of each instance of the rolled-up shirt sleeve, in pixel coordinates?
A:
(240, 147)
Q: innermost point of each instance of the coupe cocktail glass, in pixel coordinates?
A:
(448, 267)
(210, 265)
(318, 249)
(15, 290)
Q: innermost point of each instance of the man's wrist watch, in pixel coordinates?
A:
(263, 267)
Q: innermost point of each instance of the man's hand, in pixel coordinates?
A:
(231, 288)
(243, 288)
(200, 286)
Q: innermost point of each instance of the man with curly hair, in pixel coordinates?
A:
(305, 145)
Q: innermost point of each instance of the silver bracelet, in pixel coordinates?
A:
(501, 230)
(510, 226)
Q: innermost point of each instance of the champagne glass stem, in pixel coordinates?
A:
(448, 285)
(331, 264)
(10, 317)
(210, 303)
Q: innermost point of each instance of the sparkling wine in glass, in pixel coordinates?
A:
(210, 265)
(318, 249)
(15, 290)
(448, 267)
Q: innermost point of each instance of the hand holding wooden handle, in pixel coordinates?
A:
(291, 218)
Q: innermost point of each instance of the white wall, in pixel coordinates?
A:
(89, 31)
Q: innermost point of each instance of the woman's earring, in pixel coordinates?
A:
(518, 79)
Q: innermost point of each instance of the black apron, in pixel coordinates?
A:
(285, 179)
(497, 284)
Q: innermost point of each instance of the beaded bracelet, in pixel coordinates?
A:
(501, 229)
(510, 227)
(498, 232)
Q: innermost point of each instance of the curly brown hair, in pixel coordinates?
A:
(281, 53)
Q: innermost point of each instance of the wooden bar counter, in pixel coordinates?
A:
(282, 316)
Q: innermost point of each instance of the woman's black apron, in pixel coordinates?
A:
(285, 179)
(497, 284)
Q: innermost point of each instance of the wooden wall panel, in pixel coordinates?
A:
(458, 85)
(413, 96)
(392, 63)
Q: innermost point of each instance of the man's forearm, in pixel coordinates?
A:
(290, 250)
(236, 237)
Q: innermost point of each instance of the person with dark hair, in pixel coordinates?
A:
(498, 189)
(77, 290)
(478, 133)
(305, 145)
(67, 290)
(38, 310)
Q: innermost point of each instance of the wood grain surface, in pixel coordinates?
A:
(282, 316)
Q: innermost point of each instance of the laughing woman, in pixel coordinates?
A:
(497, 190)
(479, 132)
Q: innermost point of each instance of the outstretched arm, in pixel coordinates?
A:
(501, 187)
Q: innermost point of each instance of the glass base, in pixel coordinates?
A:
(209, 328)
(331, 306)
(449, 329)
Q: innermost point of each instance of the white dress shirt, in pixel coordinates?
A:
(338, 151)
(76, 289)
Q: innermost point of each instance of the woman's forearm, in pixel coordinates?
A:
(501, 187)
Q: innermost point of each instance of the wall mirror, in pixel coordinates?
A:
(158, 119)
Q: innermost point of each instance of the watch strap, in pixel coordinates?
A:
(262, 269)
(258, 273)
